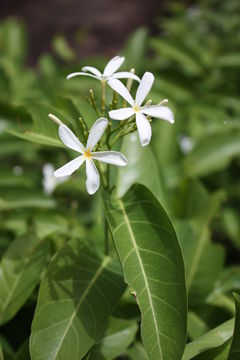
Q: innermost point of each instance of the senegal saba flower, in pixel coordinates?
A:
(87, 154)
(109, 72)
(143, 124)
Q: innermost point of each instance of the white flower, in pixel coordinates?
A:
(49, 182)
(109, 72)
(186, 144)
(143, 125)
(72, 142)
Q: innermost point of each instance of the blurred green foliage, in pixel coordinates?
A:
(194, 165)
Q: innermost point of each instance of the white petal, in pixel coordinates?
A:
(110, 157)
(92, 70)
(69, 139)
(144, 87)
(121, 114)
(93, 178)
(125, 75)
(144, 129)
(81, 73)
(96, 132)
(70, 167)
(158, 111)
(113, 65)
(117, 86)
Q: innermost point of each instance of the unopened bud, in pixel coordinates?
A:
(163, 102)
(55, 119)
(130, 80)
(149, 102)
(91, 93)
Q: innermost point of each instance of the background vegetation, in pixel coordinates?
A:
(192, 168)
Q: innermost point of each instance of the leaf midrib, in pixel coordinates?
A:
(142, 269)
(97, 274)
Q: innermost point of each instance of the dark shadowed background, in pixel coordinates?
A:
(92, 27)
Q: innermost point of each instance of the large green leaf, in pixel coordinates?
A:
(76, 298)
(210, 340)
(118, 336)
(218, 353)
(235, 347)
(213, 153)
(203, 259)
(20, 272)
(153, 267)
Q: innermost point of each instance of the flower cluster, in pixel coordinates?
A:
(142, 114)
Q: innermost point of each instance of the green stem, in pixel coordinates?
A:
(93, 102)
(102, 177)
(84, 127)
(106, 236)
(123, 124)
(123, 133)
(103, 96)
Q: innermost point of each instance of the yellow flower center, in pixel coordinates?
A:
(87, 154)
(136, 108)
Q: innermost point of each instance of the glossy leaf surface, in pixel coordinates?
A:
(76, 298)
(153, 267)
(20, 272)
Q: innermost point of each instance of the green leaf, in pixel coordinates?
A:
(230, 218)
(135, 50)
(210, 340)
(20, 271)
(141, 163)
(1, 353)
(164, 142)
(153, 267)
(177, 52)
(235, 347)
(195, 325)
(203, 259)
(229, 60)
(36, 138)
(62, 48)
(137, 352)
(213, 153)
(119, 335)
(218, 353)
(23, 351)
(228, 281)
(13, 40)
(44, 131)
(9, 179)
(6, 351)
(10, 201)
(76, 297)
